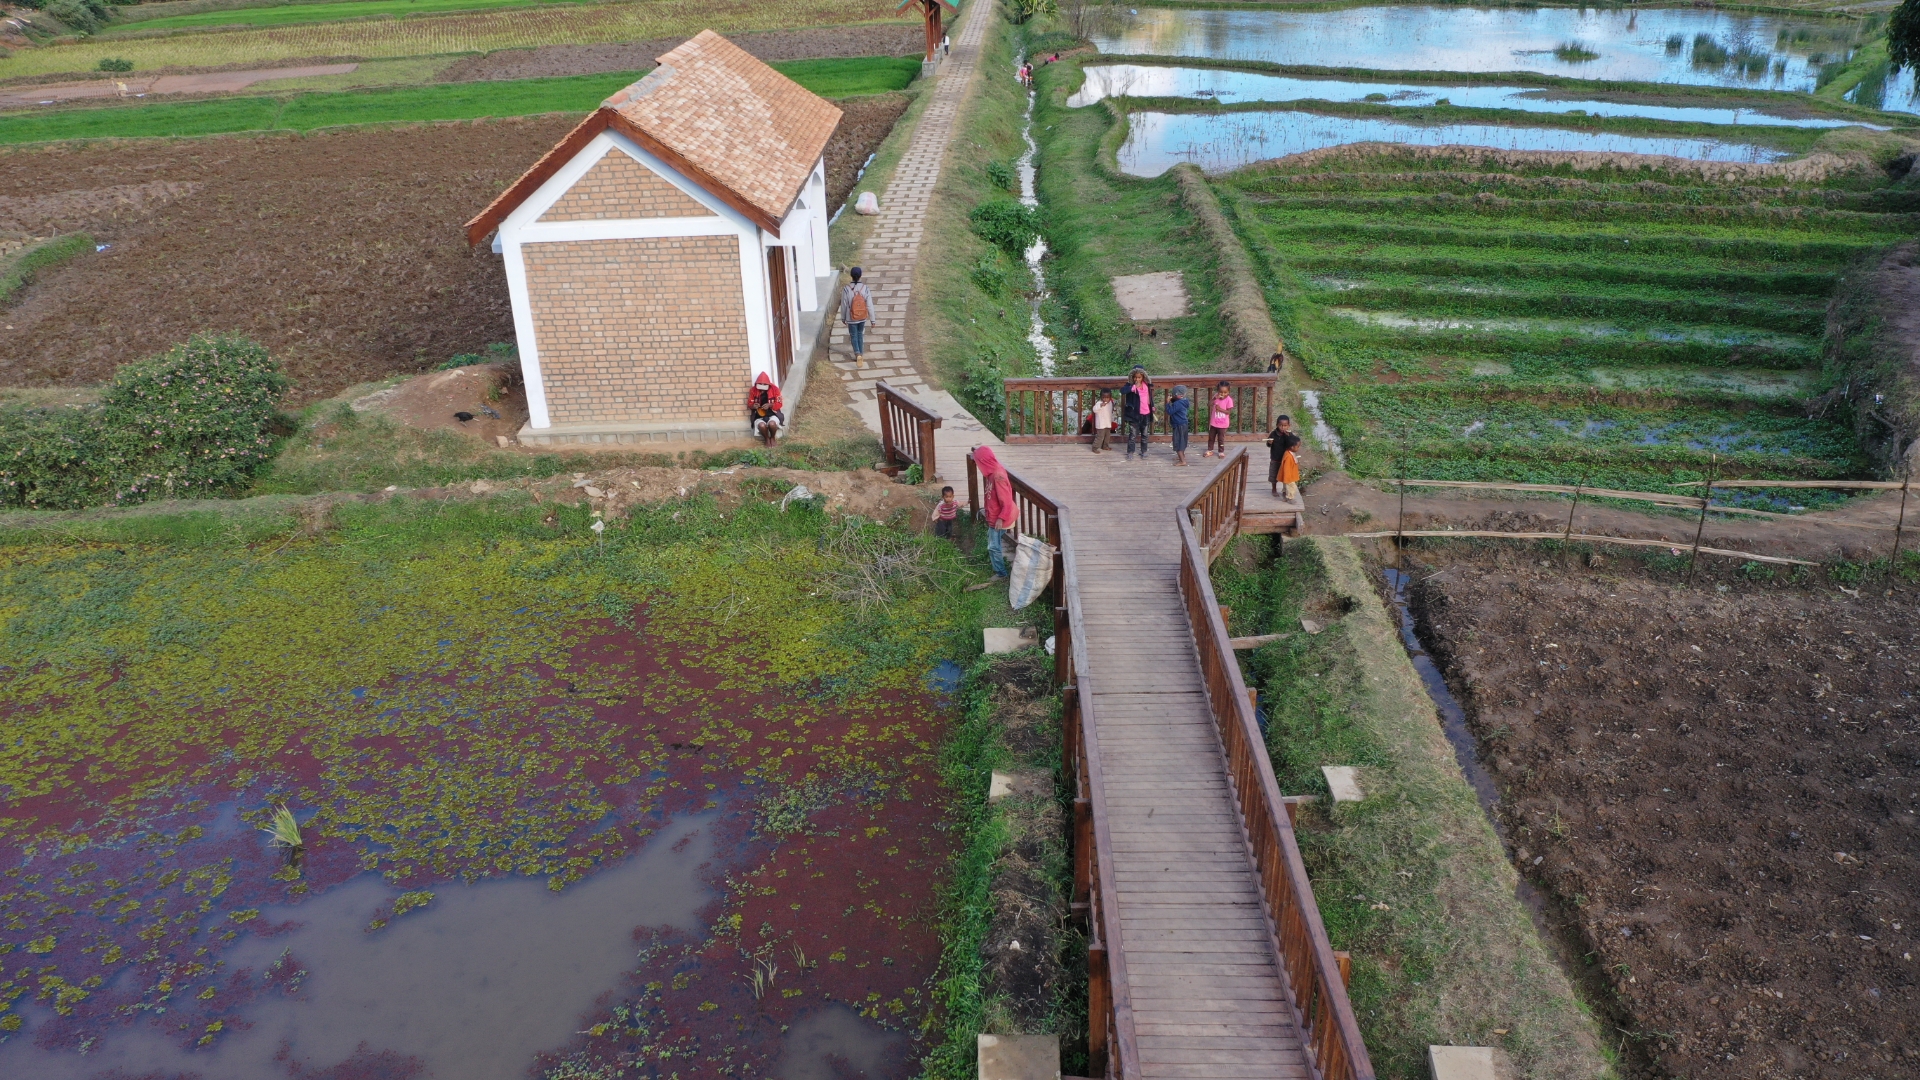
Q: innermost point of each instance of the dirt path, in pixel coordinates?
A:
(1337, 503)
(132, 86)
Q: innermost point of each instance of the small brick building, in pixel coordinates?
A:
(660, 256)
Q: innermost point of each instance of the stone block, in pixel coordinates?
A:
(1019, 1057)
(1006, 639)
(1469, 1063)
(1343, 783)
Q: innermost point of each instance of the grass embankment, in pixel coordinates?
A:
(834, 78)
(1412, 880)
(970, 307)
(1102, 225)
(483, 31)
(19, 269)
(1495, 317)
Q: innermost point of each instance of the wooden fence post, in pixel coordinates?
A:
(1706, 500)
(1906, 481)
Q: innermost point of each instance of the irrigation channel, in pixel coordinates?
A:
(1043, 345)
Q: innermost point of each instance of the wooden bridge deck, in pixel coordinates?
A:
(1208, 992)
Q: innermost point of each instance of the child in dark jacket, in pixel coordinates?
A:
(1136, 408)
(1179, 416)
(1284, 469)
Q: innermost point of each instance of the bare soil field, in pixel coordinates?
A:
(340, 251)
(1717, 788)
(811, 43)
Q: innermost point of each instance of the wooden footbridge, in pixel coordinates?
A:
(1207, 956)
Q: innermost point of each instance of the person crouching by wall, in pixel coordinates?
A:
(1284, 469)
(765, 409)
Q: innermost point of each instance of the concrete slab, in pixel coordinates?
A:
(1343, 782)
(1469, 1063)
(1019, 1057)
(999, 786)
(1148, 297)
(1006, 639)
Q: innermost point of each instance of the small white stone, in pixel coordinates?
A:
(594, 492)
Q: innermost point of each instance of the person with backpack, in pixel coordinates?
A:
(856, 310)
(1136, 407)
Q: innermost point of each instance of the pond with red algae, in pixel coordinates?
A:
(568, 809)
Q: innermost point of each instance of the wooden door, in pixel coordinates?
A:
(782, 312)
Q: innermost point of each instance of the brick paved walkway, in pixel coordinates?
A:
(888, 256)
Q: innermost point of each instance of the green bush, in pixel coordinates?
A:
(1006, 225)
(115, 64)
(199, 420)
(1002, 175)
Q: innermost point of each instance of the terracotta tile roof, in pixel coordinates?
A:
(750, 128)
(723, 119)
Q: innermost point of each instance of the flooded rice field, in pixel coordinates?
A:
(663, 803)
(1694, 46)
(1220, 142)
(1218, 84)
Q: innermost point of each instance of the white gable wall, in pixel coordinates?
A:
(523, 227)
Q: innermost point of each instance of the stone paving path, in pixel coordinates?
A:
(891, 249)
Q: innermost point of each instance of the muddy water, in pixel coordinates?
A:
(1149, 80)
(1644, 45)
(1453, 720)
(1218, 142)
(472, 987)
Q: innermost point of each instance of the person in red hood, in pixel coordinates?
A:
(1001, 511)
(765, 409)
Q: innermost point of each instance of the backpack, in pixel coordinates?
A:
(857, 307)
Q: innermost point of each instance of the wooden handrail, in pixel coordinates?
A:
(1215, 509)
(1316, 991)
(1051, 409)
(1112, 1048)
(906, 432)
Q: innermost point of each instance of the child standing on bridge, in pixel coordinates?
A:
(1179, 415)
(1285, 466)
(1103, 422)
(1222, 415)
(1136, 405)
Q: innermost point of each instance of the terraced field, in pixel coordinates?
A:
(1495, 316)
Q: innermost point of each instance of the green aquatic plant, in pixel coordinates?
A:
(1574, 52)
(284, 830)
(761, 977)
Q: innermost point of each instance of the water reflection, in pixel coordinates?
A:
(1886, 89)
(472, 987)
(1218, 142)
(1671, 45)
(837, 1044)
(1147, 80)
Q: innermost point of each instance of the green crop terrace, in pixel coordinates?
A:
(1625, 328)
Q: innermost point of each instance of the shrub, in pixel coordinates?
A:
(989, 275)
(199, 420)
(1002, 174)
(114, 64)
(86, 16)
(1006, 225)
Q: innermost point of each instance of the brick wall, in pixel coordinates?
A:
(642, 330)
(619, 187)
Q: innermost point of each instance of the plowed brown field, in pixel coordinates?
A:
(342, 251)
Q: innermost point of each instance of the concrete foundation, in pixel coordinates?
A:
(1019, 1057)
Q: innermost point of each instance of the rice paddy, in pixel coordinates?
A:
(1506, 317)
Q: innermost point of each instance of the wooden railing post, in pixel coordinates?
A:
(1099, 1001)
(973, 489)
(927, 468)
